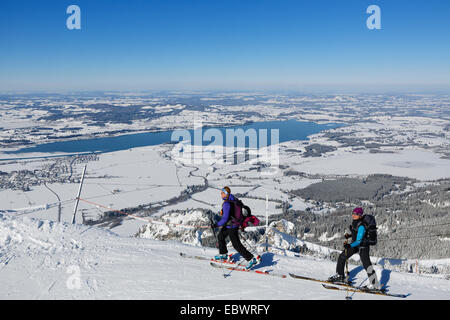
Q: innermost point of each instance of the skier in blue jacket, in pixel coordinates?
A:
(358, 245)
(230, 228)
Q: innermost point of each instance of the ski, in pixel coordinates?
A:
(295, 276)
(184, 255)
(237, 268)
(377, 292)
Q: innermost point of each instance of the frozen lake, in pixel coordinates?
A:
(287, 130)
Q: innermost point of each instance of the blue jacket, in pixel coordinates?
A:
(226, 212)
(359, 237)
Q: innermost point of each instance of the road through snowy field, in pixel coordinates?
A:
(49, 260)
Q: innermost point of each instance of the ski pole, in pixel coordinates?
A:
(252, 247)
(346, 272)
(346, 265)
(212, 228)
(217, 243)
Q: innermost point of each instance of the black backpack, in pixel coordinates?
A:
(370, 224)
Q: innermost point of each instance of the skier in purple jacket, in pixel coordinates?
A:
(230, 228)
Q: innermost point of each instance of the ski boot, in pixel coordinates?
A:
(339, 279)
(224, 258)
(253, 263)
(221, 257)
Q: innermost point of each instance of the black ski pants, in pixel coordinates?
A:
(233, 233)
(365, 259)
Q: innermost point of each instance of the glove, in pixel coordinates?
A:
(347, 236)
(346, 245)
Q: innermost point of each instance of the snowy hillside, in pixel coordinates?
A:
(48, 260)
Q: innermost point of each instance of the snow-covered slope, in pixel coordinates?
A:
(48, 260)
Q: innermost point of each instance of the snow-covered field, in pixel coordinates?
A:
(414, 163)
(41, 259)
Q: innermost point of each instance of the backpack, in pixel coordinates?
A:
(370, 224)
(242, 215)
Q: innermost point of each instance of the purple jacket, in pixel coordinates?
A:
(226, 213)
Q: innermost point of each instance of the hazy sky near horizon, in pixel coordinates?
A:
(224, 45)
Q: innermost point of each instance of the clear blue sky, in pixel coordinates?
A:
(227, 44)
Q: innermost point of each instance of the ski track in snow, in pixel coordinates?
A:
(37, 259)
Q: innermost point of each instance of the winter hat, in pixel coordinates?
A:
(358, 211)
